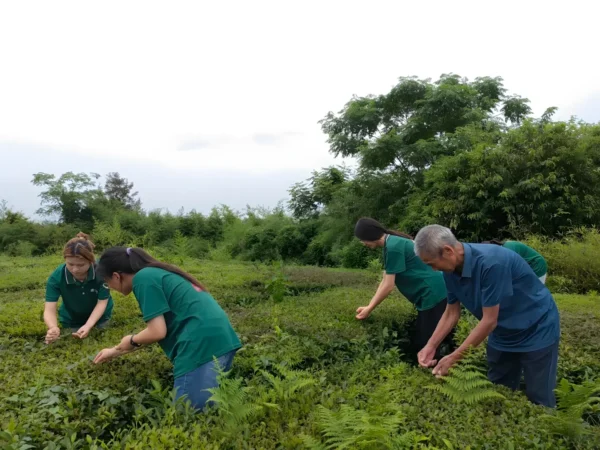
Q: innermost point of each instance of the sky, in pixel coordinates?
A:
(207, 103)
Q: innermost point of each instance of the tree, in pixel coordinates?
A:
(309, 197)
(68, 197)
(408, 128)
(120, 190)
(541, 178)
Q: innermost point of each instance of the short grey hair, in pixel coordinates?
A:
(430, 240)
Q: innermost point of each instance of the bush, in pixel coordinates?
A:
(20, 248)
(573, 262)
(309, 373)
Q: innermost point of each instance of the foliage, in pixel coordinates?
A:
(120, 191)
(304, 354)
(578, 410)
(349, 428)
(68, 197)
(465, 383)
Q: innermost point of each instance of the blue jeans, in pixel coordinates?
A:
(194, 384)
(539, 368)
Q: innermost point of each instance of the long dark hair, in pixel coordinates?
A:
(367, 229)
(494, 241)
(132, 260)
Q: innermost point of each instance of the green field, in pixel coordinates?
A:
(309, 375)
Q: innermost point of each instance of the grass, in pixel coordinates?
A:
(54, 397)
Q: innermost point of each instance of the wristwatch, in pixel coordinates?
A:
(134, 344)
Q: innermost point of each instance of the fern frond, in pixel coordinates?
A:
(350, 428)
(465, 384)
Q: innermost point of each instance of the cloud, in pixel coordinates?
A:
(273, 138)
(193, 145)
(214, 142)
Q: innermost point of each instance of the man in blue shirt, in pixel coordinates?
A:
(515, 310)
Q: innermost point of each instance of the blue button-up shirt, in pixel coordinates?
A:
(528, 318)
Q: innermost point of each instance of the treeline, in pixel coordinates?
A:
(455, 152)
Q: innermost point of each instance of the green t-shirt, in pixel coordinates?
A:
(197, 327)
(533, 258)
(79, 298)
(419, 283)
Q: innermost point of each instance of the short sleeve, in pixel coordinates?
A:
(452, 298)
(496, 284)
(103, 292)
(151, 297)
(52, 289)
(395, 260)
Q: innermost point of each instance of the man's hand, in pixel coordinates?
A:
(83, 332)
(426, 356)
(442, 368)
(363, 312)
(52, 335)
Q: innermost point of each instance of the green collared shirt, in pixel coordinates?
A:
(79, 298)
(419, 283)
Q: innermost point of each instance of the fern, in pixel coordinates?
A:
(289, 383)
(574, 401)
(234, 406)
(354, 429)
(465, 384)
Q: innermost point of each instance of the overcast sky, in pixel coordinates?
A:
(205, 103)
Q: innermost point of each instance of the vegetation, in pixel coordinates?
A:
(309, 375)
(456, 152)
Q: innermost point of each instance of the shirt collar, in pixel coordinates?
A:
(467, 261)
(72, 280)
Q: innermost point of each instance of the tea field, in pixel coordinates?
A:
(309, 374)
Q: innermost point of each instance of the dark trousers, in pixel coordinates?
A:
(539, 368)
(425, 325)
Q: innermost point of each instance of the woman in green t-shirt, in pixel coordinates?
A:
(534, 259)
(419, 283)
(181, 316)
(86, 303)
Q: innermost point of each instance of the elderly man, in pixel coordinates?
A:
(515, 310)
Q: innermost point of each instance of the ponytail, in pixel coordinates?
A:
(494, 242)
(367, 229)
(132, 260)
(399, 234)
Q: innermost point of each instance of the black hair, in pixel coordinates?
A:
(494, 241)
(132, 260)
(367, 229)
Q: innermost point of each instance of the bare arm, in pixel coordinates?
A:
(486, 325)
(445, 325)
(155, 331)
(97, 313)
(51, 314)
(385, 288)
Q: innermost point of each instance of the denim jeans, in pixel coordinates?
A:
(194, 384)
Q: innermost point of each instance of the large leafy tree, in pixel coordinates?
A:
(408, 128)
(69, 196)
(541, 178)
(308, 198)
(120, 190)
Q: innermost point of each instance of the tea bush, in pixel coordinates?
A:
(573, 264)
(309, 375)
